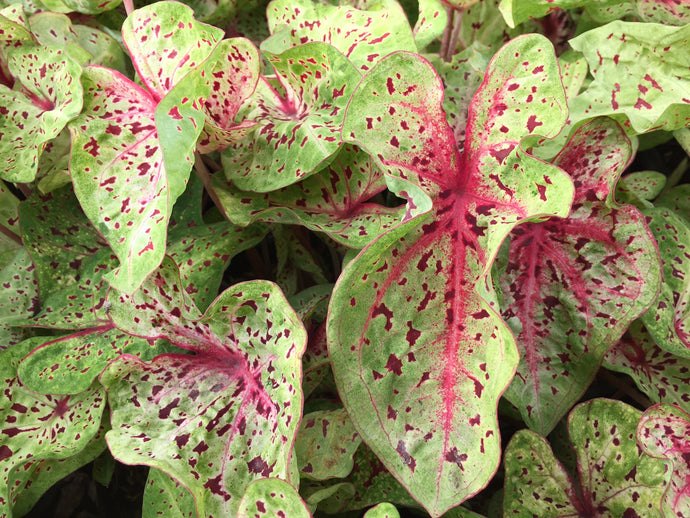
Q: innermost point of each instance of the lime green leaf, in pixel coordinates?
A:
(272, 497)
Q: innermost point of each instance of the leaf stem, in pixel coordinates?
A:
(205, 176)
(14, 237)
(26, 190)
(445, 42)
(129, 6)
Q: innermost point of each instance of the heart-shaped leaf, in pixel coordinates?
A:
(573, 285)
(419, 354)
(636, 74)
(663, 376)
(20, 297)
(226, 415)
(431, 22)
(363, 35)
(37, 426)
(50, 96)
(614, 477)
(663, 432)
(669, 319)
(298, 118)
(336, 201)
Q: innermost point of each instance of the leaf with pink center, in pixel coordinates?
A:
(50, 95)
(418, 351)
(39, 426)
(636, 75)
(664, 432)
(363, 35)
(298, 119)
(668, 321)
(226, 415)
(233, 79)
(663, 376)
(573, 285)
(614, 478)
(336, 201)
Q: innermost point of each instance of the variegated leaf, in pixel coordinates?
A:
(272, 497)
(573, 285)
(226, 415)
(419, 354)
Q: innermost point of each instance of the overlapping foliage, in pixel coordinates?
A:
(303, 257)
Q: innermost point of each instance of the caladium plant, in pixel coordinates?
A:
(359, 258)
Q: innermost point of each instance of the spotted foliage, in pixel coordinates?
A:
(272, 497)
(573, 285)
(614, 478)
(222, 417)
(413, 330)
(663, 432)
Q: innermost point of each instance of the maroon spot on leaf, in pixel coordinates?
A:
(259, 466)
(394, 142)
(200, 448)
(113, 130)
(500, 154)
(394, 365)
(261, 507)
(181, 440)
(541, 189)
(164, 412)
(412, 335)
(478, 388)
(406, 457)
(308, 468)
(476, 420)
(324, 427)
(214, 485)
(656, 85)
(456, 457)
(382, 309)
(92, 147)
(377, 375)
(17, 407)
(641, 103)
(538, 70)
(392, 413)
(5, 452)
(391, 87)
(532, 123)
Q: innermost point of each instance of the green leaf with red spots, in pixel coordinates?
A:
(637, 75)
(36, 426)
(364, 36)
(46, 95)
(80, 6)
(326, 443)
(272, 497)
(640, 188)
(383, 510)
(431, 22)
(668, 321)
(20, 297)
(233, 77)
(418, 351)
(298, 119)
(678, 200)
(164, 496)
(664, 432)
(71, 259)
(336, 201)
(663, 376)
(223, 417)
(573, 285)
(614, 478)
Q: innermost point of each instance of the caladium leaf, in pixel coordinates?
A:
(164, 496)
(87, 45)
(53, 166)
(663, 376)
(297, 131)
(636, 75)
(482, 22)
(668, 320)
(326, 443)
(640, 188)
(37, 426)
(80, 6)
(69, 364)
(413, 333)
(295, 258)
(272, 497)
(50, 96)
(678, 200)
(573, 285)
(363, 36)
(383, 510)
(42, 474)
(336, 201)
(431, 22)
(233, 79)
(663, 432)
(20, 297)
(614, 477)
(14, 31)
(226, 415)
